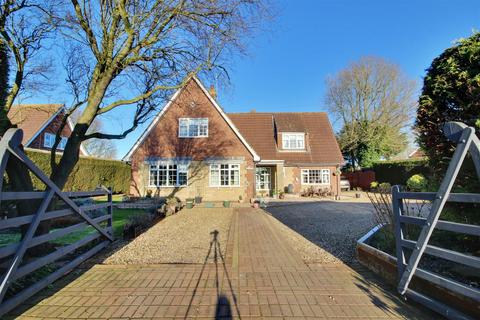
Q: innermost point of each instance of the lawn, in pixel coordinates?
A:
(120, 218)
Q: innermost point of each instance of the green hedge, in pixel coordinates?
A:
(87, 174)
(398, 171)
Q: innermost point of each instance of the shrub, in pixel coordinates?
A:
(417, 182)
(398, 171)
(88, 173)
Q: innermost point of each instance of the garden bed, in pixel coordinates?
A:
(384, 263)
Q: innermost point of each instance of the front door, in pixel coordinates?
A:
(263, 180)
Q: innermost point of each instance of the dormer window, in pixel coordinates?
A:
(192, 127)
(293, 141)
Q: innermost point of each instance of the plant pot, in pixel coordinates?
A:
(189, 203)
(357, 195)
(198, 199)
(226, 204)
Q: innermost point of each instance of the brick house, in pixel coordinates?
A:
(193, 148)
(40, 123)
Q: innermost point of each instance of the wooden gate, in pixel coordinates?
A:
(51, 204)
(466, 141)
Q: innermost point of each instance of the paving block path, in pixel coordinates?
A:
(260, 276)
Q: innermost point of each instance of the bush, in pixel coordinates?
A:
(88, 173)
(417, 182)
(399, 171)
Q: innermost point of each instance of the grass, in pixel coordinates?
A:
(120, 218)
(116, 198)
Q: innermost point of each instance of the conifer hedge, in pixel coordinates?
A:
(88, 174)
(399, 171)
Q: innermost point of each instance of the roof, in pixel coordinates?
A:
(165, 108)
(33, 118)
(260, 130)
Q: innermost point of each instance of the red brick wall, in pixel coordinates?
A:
(163, 140)
(293, 176)
(52, 128)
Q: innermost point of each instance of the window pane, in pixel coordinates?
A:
(224, 181)
(235, 177)
(214, 175)
(183, 128)
(162, 175)
(153, 176)
(172, 175)
(182, 178)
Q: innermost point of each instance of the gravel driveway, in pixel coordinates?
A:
(182, 238)
(334, 226)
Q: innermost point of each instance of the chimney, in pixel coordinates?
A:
(213, 92)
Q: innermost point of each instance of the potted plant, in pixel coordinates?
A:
(281, 195)
(256, 204)
(198, 199)
(189, 203)
(172, 203)
(240, 199)
(226, 203)
(149, 193)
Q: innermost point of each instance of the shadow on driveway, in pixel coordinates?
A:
(332, 225)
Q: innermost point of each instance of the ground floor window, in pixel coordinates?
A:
(315, 176)
(262, 178)
(168, 175)
(224, 175)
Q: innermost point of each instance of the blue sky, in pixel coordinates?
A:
(287, 64)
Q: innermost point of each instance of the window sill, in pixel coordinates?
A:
(224, 186)
(165, 187)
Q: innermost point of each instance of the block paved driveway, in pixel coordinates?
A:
(260, 276)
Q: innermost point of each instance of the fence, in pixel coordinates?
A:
(360, 179)
(48, 205)
(467, 142)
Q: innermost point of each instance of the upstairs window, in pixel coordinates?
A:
(192, 127)
(49, 140)
(293, 141)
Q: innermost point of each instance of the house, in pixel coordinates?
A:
(40, 123)
(193, 148)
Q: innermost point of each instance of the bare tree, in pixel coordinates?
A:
(374, 101)
(132, 53)
(24, 27)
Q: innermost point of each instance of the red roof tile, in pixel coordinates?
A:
(32, 117)
(261, 129)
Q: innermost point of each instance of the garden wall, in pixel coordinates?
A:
(398, 171)
(88, 173)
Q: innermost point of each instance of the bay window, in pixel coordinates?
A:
(224, 175)
(168, 175)
(192, 127)
(315, 176)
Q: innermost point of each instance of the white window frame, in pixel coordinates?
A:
(49, 140)
(230, 168)
(201, 123)
(286, 138)
(322, 173)
(182, 168)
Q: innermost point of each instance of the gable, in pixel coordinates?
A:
(33, 118)
(161, 138)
